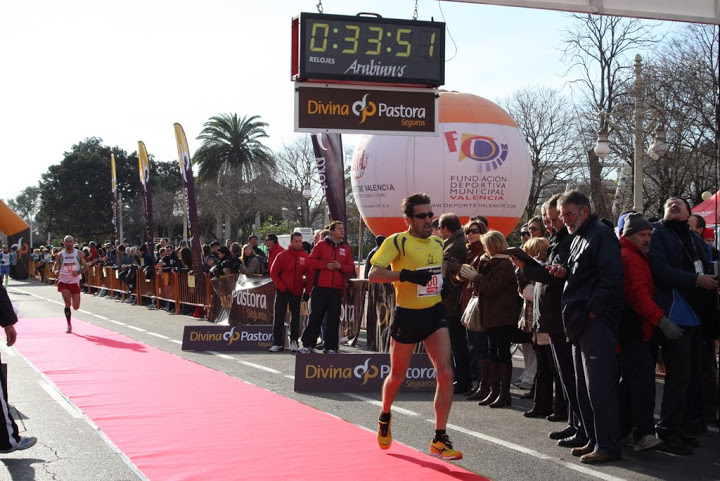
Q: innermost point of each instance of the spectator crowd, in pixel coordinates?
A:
(595, 309)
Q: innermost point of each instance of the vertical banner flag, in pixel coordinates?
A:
(115, 206)
(144, 171)
(188, 185)
(329, 160)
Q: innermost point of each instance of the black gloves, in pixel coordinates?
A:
(306, 297)
(421, 277)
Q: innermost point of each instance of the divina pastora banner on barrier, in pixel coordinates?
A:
(227, 338)
(358, 373)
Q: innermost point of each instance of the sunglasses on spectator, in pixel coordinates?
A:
(424, 215)
(473, 231)
(524, 233)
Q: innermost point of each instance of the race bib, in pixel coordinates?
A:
(433, 287)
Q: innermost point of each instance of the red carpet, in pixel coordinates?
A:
(175, 419)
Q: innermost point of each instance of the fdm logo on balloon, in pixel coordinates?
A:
(478, 148)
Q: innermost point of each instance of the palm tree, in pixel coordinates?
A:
(231, 154)
(231, 144)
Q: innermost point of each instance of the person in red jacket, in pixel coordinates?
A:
(332, 261)
(271, 242)
(639, 318)
(292, 274)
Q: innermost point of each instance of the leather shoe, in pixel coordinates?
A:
(598, 457)
(463, 389)
(576, 441)
(582, 451)
(556, 417)
(565, 433)
(533, 414)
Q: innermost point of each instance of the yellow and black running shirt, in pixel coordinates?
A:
(405, 251)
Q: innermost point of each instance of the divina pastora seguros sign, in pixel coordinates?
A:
(340, 109)
(227, 338)
(358, 373)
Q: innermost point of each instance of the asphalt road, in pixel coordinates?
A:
(499, 444)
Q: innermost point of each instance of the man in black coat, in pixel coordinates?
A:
(685, 291)
(547, 307)
(593, 300)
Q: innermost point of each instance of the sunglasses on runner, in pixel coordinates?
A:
(424, 215)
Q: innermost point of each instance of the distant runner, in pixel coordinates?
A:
(69, 266)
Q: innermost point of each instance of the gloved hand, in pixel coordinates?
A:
(669, 329)
(421, 277)
(468, 272)
(305, 297)
(452, 265)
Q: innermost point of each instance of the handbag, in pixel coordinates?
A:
(471, 316)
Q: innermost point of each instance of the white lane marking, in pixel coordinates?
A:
(10, 351)
(258, 366)
(136, 328)
(101, 317)
(536, 454)
(219, 354)
(290, 377)
(175, 341)
(60, 399)
(379, 404)
(85, 312)
(117, 322)
(158, 335)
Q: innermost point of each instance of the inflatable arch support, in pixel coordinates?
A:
(18, 236)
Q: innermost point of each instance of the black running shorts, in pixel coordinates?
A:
(410, 326)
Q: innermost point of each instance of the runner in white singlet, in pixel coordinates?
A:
(69, 266)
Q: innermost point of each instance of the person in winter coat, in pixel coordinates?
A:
(640, 316)
(496, 286)
(292, 275)
(478, 340)
(333, 262)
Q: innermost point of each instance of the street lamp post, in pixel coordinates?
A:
(307, 193)
(657, 149)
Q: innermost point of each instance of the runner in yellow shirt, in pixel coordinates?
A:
(416, 258)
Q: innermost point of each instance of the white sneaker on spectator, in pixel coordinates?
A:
(306, 350)
(647, 443)
(294, 346)
(275, 348)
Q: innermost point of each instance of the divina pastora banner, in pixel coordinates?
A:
(227, 338)
(358, 373)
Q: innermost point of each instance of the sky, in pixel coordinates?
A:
(126, 71)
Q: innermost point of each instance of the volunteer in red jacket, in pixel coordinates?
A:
(291, 273)
(332, 261)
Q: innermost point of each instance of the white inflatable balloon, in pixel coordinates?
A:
(478, 165)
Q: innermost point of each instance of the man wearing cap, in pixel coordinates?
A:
(640, 317)
(684, 290)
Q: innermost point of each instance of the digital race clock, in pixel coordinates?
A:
(368, 49)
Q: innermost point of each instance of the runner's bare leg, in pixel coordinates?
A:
(438, 348)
